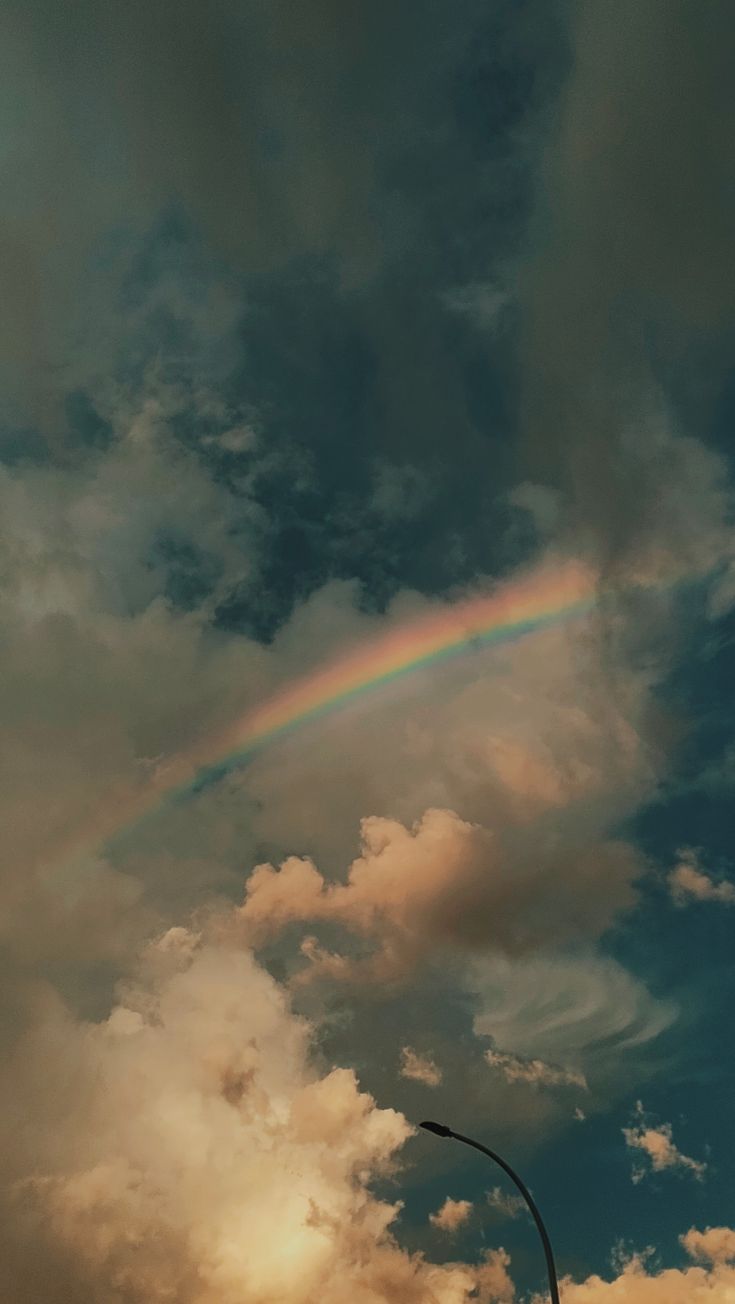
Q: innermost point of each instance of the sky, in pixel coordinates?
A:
(325, 326)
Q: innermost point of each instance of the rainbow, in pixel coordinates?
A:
(537, 600)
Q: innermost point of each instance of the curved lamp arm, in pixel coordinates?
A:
(440, 1129)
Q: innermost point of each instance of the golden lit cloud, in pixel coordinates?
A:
(444, 882)
(637, 1285)
(202, 1157)
(658, 1145)
(713, 1245)
(452, 1215)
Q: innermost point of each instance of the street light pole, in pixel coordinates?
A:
(440, 1129)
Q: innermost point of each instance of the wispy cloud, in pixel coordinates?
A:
(510, 1206)
(581, 1011)
(534, 1072)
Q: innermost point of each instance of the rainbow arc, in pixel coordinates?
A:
(536, 600)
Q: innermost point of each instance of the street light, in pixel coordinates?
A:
(440, 1129)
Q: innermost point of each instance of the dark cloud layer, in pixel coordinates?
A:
(352, 167)
(402, 196)
(633, 272)
(284, 127)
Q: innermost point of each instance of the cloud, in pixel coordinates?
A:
(533, 1072)
(419, 1068)
(440, 883)
(110, 661)
(582, 1011)
(637, 1285)
(107, 680)
(452, 1215)
(510, 1206)
(658, 1145)
(530, 735)
(186, 1144)
(639, 99)
(397, 891)
(482, 303)
(238, 439)
(166, 1140)
(687, 882)
(276, 150)
(713, 1245)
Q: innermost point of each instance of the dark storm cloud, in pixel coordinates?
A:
(633, 272)
(277, 123)
(361, 180)
(388, 153)
(282, 128)
(344, 167)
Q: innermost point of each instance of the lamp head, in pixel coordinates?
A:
(439, 1129)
